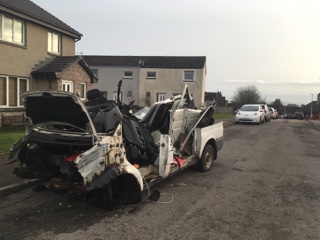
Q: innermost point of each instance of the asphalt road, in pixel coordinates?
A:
(264, 185)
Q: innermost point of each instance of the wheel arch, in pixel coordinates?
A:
(127, 187)
(213, 143)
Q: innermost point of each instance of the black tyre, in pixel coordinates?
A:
(259, 123)
(206, 161)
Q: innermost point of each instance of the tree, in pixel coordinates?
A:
(278, 105)
(246, 95)
(277, 102)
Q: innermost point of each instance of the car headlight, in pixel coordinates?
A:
(239, 113)
(256, 113)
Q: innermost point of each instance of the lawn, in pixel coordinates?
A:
(7, 138)
(223, 115)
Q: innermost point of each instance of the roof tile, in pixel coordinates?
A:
(31, 9)
(146, 61)
(55, 64)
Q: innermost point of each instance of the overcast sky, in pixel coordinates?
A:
(272, 44)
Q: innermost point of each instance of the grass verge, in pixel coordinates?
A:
(8, 137)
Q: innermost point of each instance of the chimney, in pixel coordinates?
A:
(318, 98)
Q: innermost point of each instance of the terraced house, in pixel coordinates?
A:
(37, 53)
(148, 79)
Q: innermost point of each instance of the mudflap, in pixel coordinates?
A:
(104, 179)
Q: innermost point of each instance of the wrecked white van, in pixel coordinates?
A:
(100, 149)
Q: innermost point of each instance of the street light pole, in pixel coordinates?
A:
(311, 106)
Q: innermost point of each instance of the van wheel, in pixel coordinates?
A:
(206, 161)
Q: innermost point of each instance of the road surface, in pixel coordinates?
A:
(265, 184)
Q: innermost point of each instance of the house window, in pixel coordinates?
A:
(11, 30)
(10, 90)
(161, 96)
(54, 43)
(127, 74)
(188, 76)
(151, 75)
(129, 95)
(115, 96)
(95, 72)
(23, 87)
(3, 91)
(83, 91)
(148, 94)
(67, 86)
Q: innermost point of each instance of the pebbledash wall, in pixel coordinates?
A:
(170, 82)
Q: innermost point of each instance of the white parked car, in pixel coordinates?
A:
(267, 115)
(252, 113)
(273, 113)
(100, 150)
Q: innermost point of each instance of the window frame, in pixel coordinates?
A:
(127, 77)
(15, 21)
(83, 95)
(67, 83)
(51, 44)
(18, 91)
(150, 77)
(189, 79)
(161, 96)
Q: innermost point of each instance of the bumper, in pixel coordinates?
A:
(253, 119)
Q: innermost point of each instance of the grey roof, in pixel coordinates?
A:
(30, 9)
(146, 61)
(58, 64)
(307, 108)
(209, 96)
(55, 64)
